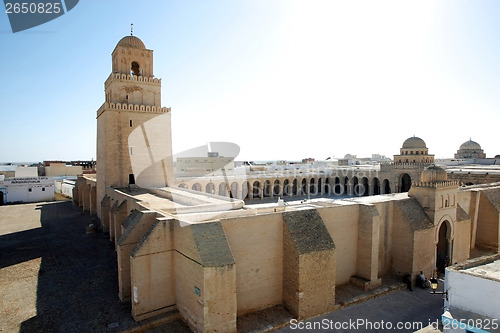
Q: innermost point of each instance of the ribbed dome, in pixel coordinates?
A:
(470, 145)
(414, 142)
(131, 41)
(433, 173)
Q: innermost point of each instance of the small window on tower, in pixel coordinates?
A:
(130, 122)
(135, 69)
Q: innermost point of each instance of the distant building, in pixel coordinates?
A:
(57, 169)
(470, 149)
(26, 189)
(207, 164)
(414, 150)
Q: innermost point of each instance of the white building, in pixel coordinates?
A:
(26, 189)
(472, 299)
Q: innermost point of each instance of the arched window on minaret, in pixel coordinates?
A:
(135, 69)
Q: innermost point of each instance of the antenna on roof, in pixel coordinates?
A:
(131, 29)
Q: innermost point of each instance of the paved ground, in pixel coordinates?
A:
(56, 278)
(415, 309)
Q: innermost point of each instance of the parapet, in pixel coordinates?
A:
(449, 183)
(132, 107)
(128, 77)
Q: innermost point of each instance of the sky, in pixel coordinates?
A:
(282, 79)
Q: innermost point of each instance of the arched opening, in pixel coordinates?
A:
(295, 187)
(256, 189)
(287, 190)
(320, 186)
(312, 186)
(346, 185)
(210, 188)
(222, 189)
(135, 69)
(443, 248)
(327, 186)
(376, 186)
(245, 193)
(267, 189)
(364, 188)
(337, 189)
(276, 188)
(182, 185)
(303, 188)
(355, 186)
(1, 198)
(234, 190)
(405, 183)
(387, 186)
(196, 187)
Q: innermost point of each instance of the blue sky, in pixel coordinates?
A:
(281, 79)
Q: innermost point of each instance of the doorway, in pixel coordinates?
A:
(443, 247)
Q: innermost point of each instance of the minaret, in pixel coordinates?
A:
(134, 145)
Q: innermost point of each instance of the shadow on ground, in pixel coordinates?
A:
(77, 279)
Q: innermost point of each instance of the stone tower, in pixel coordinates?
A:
(133, 130)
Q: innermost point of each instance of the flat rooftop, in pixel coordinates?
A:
(488, 271)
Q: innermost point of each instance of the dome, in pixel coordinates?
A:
(414, 142)
(470, 145)
(433, 173)
(131, 41)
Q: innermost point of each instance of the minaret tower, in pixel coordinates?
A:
(134, 144)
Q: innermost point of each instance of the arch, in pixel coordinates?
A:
(196, 187)
(222, 189)
(303, 187)
(182, 185)
(404, 183)
(267, 189)
(245, 193)
(364, 187)
(320, 186)
(135, 69)
(287, 189)
(276, 188)
(312, 187)
(376, 186)
(337, 188)
(210, 188)
(355, 186)
(328, 187)
(295, 187)
(234, 190)
(256, 189)
(386, 186)
(444, 244)
(346, 185)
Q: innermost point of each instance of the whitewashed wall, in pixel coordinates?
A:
(473, 293)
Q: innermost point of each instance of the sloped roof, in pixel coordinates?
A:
(414, 214)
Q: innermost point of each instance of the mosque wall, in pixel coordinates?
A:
(259, 273)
